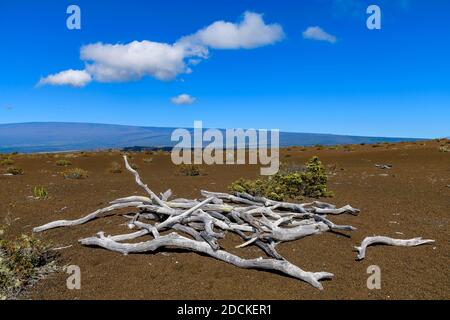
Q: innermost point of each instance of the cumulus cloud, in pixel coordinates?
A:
(132, 61)
(183, 99)
(163, 61)
(74, 78)
(251, 32)
(317, 33)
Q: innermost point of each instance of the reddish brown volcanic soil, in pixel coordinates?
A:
(412, 199)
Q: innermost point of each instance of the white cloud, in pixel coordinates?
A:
(183, 99)
(132, 61)
(317, 33)
(251, 32)
(74, 78)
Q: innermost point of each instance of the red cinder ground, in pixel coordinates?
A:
(412, 198)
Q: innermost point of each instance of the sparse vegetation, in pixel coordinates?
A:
(189, 170)
(445, 148)
(40, 193)
(349, 148)
(148, 160)
(289, 183)
(7, 162)
(134, 166)
(63, 163)
(75, 173)
(22, 262)
(318, 147)
(115, 167)
(14, 171)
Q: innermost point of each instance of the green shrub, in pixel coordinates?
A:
(319, 147)
(14, 171)
(444, 149)
(134, 166)
(7, 162)
(63, 163)
(115, 167)
(289, 183)
(22, 262)
(40, 193)
(189, 170)
(75, 173)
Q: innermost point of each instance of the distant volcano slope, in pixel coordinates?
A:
(61, 136)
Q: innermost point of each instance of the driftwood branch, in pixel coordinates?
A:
(174, 240)
(388, 241)
(199, 225)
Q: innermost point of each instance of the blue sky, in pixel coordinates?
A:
(388, 82)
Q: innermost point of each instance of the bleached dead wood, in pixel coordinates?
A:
(140, 183)
(258, 221)
(91, 216)
(174, 240)
(388, 241)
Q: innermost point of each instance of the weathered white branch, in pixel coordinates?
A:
(91, 216)
(177, 241)
(344, 209)
(257, 220)
(140, 183)
(388, 241)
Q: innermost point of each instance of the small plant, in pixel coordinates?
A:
(7, 162)
(22, 262)
(444, 149)
(148, 160)
(290, 183)
(63, 163)
(349, 148)
(40, 193)
(75, 173)
(134, 166)
(315, 179)
(115, 167)
(189, 170)
(14, 171)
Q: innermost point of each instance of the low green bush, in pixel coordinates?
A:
(40, 193)
(7, 162)
(189, 170)
(75, 173)
(63, 163)
(22, 262)
(14, 171)
(444, 149)
(115, 167)
(289, 183)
